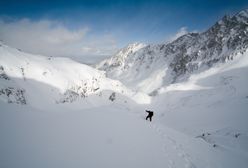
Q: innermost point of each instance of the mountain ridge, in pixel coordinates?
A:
(177, 60)
(56, 80)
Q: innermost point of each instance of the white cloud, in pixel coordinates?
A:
(52, 38)
(182, 31)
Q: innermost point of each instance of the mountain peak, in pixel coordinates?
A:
(133, 47)
(129, 50)
(242, 16)
(243, 13)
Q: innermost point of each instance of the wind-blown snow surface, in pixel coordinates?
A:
(100, 137)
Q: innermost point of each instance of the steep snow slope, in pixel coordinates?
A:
(39, 81)
(152, 66)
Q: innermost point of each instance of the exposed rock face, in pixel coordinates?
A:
(13, 95)
(8, 92)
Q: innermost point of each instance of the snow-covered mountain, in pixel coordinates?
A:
(147, 68)
(39, 80)
(198, 123)
(57, 113)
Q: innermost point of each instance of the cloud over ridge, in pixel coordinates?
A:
(53, 38)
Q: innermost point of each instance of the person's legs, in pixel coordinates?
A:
(147, 117)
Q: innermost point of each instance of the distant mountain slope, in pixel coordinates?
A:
(38, 80)
(152, 66)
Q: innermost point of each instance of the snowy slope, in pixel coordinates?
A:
(209, 112)
(175, 61)
(201, 123)
(39, 80)
(86, 138)
(58, 113)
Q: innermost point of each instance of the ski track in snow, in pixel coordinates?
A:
(169, 142)
(174, 151)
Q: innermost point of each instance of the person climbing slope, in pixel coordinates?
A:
(150, 114)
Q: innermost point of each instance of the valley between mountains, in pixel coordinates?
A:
(56, 112)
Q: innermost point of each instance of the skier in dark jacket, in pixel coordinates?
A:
(150, 114)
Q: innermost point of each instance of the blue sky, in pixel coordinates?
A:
(119, 21)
